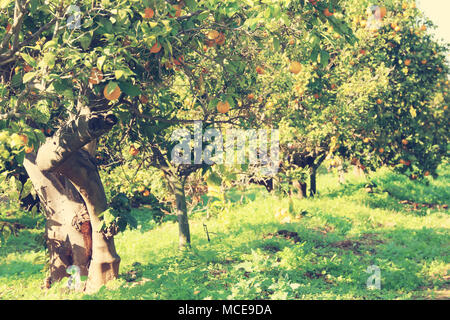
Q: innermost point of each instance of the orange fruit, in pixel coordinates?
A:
(146, 193)
(295, 67)
(223, 107)
(143, 99)
(251, 96)
(427, 173)
(23, 138)
(363, 52)
(424, 61)
(327, 12)
(397, 29)
(133, 151)
(213, 34)
(379, 101)
(27, 68)
(148, 13)
(141, 189)
(316, 95)
(112, 95)
(156, 48)
(381, 150)
(177, 7)
(407, 62)
(29, 149)
(209, 44)
(423, 28)
(220, 40)
(96, 76)
(259, 70)
(383, 12)
(404, 142)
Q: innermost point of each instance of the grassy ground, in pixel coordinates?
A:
(330, 243)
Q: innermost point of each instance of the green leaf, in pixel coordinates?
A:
(276, 43)
(118, 74)
(85, 41)
(28, 76)
(100, 61)
(324, 58)
(26, 189)
(28, 59)
(49, 59)
(191, 4)
(111, 86)
(129, 89)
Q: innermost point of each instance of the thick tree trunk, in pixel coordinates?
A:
(65, 213)
(300, 187)
(82, 172)
(358, 171)
(66, 179)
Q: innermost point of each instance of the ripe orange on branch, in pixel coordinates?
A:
(213, 34)
(295, 67)
(112, 93)
(156, 48)
(96, 76)
(29, 149)
(223, 106)
(259, 70)
(134, 151)
(327, 12)
(148, 13)
(220, 40)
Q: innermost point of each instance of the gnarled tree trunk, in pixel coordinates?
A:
(65, 177)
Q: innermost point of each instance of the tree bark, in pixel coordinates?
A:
(64, 210)
(177, 187)
(300, 187)
(312, 182)
(67, 181)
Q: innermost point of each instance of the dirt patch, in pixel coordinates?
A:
(415, 206)
(288, 235)
(271, 248)
(368, 239)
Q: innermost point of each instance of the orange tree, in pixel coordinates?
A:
(131, 73)
(403, 124)
(378, 101)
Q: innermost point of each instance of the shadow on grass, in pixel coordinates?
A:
(318, 262)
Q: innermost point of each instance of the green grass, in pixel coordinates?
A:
(341, 232)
